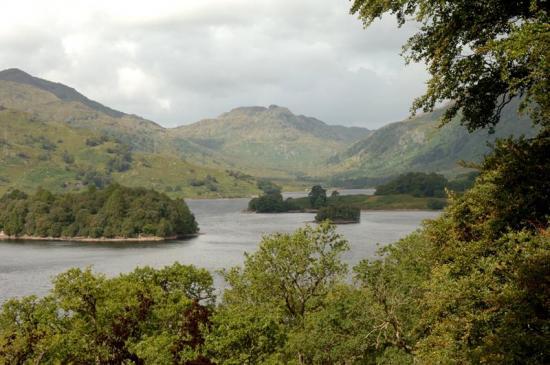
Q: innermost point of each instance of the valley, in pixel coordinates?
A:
(54, 137)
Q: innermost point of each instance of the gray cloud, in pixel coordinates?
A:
(176, 62)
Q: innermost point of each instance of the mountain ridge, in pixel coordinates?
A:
(272, 137)
(60, 90)
(422, 144)
(264, 142)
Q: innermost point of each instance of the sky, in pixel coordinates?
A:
(176, 62)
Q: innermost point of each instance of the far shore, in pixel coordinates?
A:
(5, 237)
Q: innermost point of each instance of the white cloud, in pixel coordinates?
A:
(180, 61)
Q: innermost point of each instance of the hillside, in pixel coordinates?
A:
(418, 144)
(213, 157)
(67, 144)
(271, 138)
(61, 91)
(50, 101)
(264, 142)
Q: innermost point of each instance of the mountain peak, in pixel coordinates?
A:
(63, 92)
(14, 73)
(245, 110)
(255, 110)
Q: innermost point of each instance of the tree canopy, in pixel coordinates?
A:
(480, 54)
(317, 196)
(115, 211)
(149, 316)
(339, 213)
(415, 183)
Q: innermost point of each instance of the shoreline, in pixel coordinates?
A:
(5, 237)
(313, 211)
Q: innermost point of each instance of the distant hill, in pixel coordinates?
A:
(271, 138)
(53, 136)
(260, 141)
(418, 144)
(60, 157)
(70, 142)
(63, 92)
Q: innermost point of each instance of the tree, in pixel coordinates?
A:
(268, 203)
(146, 316)
(115, 211)
(280, 284)
(339, 213)
(317, 196)
(480, 54)
(268, 187)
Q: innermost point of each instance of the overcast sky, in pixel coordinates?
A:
(176, 62)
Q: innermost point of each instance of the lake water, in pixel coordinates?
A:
(226, 233)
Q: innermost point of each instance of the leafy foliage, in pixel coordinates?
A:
(472, 286)
(121, 159)
(268, 187)
(339, 214)
(416, 184)
(269, 203)
(116, 211)
(270, 297)
(146, 316)
(480, 54)
(317, 197)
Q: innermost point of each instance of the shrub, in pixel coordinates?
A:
(339, 213)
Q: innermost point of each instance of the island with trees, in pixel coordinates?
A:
(410, 191)
(115, 213)
(339, 214)
(327, 208)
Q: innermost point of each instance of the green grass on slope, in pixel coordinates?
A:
(419, 145)
(55, 156)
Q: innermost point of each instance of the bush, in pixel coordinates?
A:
(268, 187)
(268, 203)
(339, 213)
(68, 158)
(122, 159)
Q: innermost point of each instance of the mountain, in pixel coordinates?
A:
(52, 136)
(418, 144)
(61, 91)
(265, 142)
(273, 138)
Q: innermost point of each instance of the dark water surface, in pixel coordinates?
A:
(226, 233)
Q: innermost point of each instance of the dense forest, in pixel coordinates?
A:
(115, 211)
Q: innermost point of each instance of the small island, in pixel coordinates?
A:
(409, 191)
(113, 214)
(271, 201)
(339, 214)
